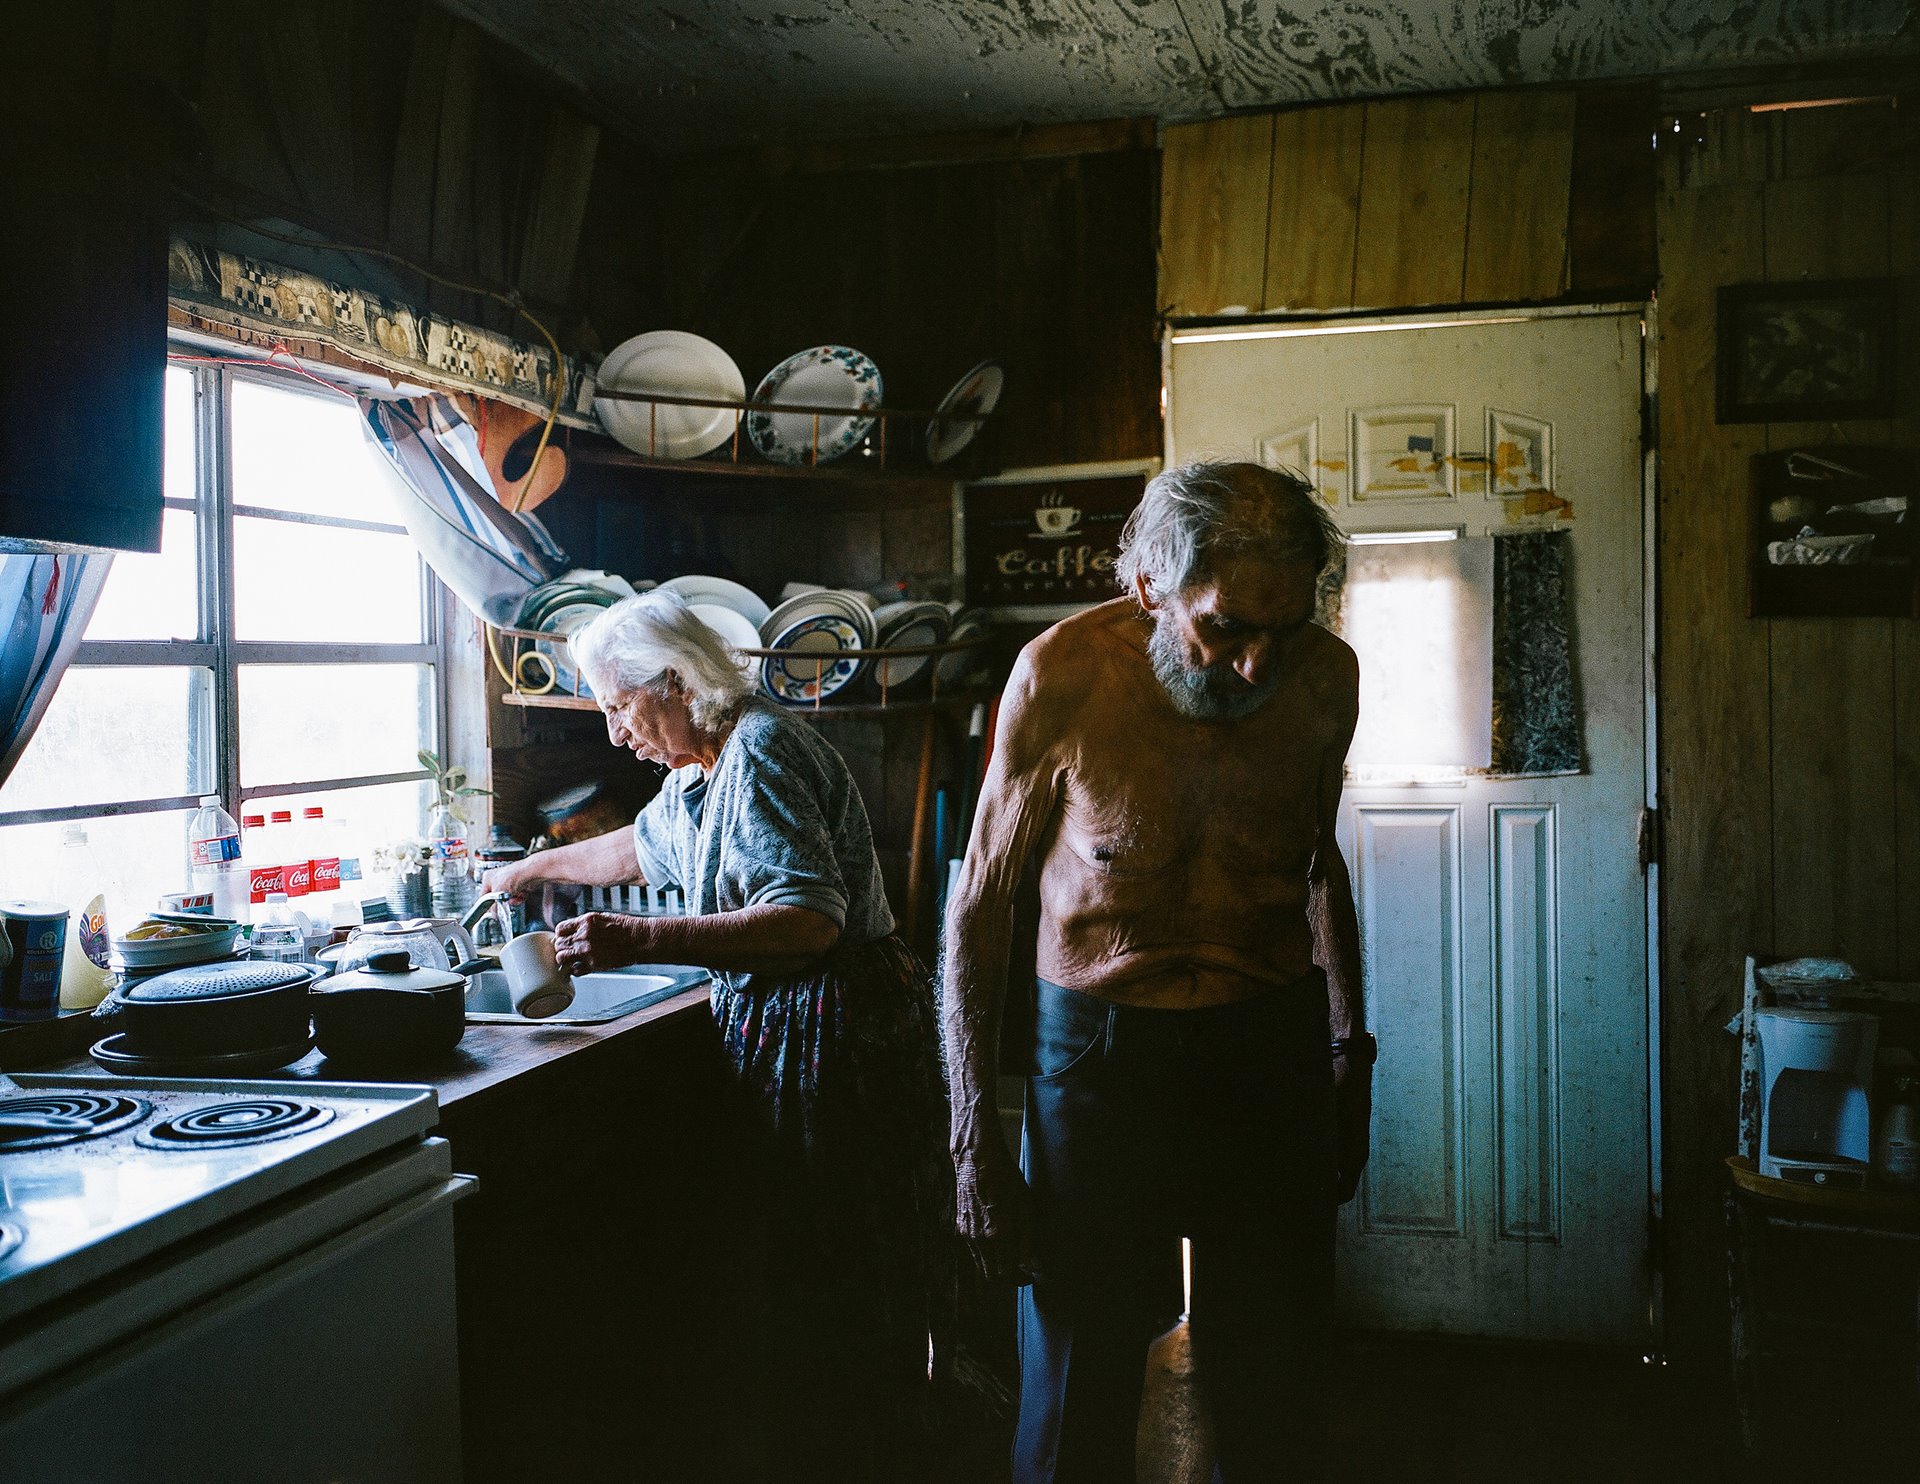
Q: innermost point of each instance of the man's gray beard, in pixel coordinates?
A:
(1203, 693)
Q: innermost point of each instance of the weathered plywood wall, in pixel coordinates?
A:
(1466, 199)
(1790, 747)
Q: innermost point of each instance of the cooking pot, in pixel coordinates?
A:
(431, 942)
(214, 1009)
(389, 1014)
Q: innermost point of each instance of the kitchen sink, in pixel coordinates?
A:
(596, 997)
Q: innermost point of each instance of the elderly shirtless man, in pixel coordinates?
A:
(1197, 1058)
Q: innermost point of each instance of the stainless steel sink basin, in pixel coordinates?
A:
(596, 997)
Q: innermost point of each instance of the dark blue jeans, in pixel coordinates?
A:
(1144, 1126)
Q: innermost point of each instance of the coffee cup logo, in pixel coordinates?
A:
(1054, 519)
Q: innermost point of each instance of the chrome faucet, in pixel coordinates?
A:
(492, 907)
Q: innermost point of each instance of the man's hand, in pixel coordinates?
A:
(1352, 1121)
(993, 1212)
(601, 940)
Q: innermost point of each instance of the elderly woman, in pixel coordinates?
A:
(827, 1017)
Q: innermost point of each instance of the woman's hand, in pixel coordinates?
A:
(601, 940)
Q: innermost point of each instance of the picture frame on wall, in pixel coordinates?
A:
(1806, 352)
(1039, 543)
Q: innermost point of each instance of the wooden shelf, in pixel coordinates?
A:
(827, 711)
(850, 470)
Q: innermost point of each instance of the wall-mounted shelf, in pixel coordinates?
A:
(850, 470)
(525, 694)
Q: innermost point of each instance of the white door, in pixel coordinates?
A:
(1503, 918)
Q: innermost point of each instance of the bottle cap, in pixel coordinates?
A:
(73, 834)
(206, 799)
(283, 816)
(275, 898)
(312, 811)
(254, 821)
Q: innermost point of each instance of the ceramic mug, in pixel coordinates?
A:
(535, 982)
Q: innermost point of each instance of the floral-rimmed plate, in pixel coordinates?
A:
(974, 395)
(679, 364)
(810, 604)
(825, 376)
(801, 679)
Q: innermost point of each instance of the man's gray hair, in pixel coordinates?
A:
(1198, 513)
(638, 642)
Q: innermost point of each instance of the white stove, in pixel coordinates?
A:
(159, 1237)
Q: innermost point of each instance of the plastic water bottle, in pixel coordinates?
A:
(264, 873)
(213, 859)
(280, 932)
(448, 872)
(323, 858)
(297, 866)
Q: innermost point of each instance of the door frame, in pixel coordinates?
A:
(1199, 331)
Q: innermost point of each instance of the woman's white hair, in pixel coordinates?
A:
(1196, 513)
(643, 641)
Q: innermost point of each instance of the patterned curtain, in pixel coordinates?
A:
(1536, 710)
(488, 556)
(45, 602)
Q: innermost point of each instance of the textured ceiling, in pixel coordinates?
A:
(693, 75)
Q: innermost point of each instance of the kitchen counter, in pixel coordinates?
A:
(489, 1058)
(598, 1260)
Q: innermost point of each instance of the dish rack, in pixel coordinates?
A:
(541, 688)
(741, 407)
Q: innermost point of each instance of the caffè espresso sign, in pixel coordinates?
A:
(1048, 537)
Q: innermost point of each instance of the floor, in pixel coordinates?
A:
(1451, 1412)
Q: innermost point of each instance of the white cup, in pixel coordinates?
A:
(534, 981)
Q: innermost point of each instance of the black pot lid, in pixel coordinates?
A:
(217, 981)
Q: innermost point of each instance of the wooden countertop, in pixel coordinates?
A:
(488, 1058)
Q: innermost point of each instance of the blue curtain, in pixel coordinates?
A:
(490, 557)
(45, 602)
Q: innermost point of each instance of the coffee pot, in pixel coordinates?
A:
(431, 942)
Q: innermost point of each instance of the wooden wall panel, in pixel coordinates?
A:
(1714, 721)
(1519, 197)
(1903, 237)
(1213, 214)
(1834, 836)
(1412, 233)
(1313, 208)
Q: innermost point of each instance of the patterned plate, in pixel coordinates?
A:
(976, 394)
(800, 682)
(826, 376)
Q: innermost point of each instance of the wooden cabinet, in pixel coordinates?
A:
(83, 284)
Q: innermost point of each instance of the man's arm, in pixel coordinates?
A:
(1016, 803)
(1336, 944)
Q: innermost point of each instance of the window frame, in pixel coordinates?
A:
(218, 652)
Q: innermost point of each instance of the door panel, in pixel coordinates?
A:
(1503, 918)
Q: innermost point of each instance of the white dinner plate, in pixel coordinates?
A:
(825, 376)
(906, 626)
(968, 623)
(696, 588)
(675, 362)
(977, 393)
(562, 623)
(800, 681)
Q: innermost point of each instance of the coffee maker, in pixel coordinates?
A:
(1816, 1069)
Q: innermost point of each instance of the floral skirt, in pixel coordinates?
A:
(851, 1188)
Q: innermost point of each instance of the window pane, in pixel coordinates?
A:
(177, 466)
(301, 451)
(115, 733)
(149, 596)
(332, 721)
(319, 584)
(139, 856)
(382, 814)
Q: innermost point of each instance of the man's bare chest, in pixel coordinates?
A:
(1144, 796)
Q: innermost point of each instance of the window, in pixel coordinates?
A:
(282, 649)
